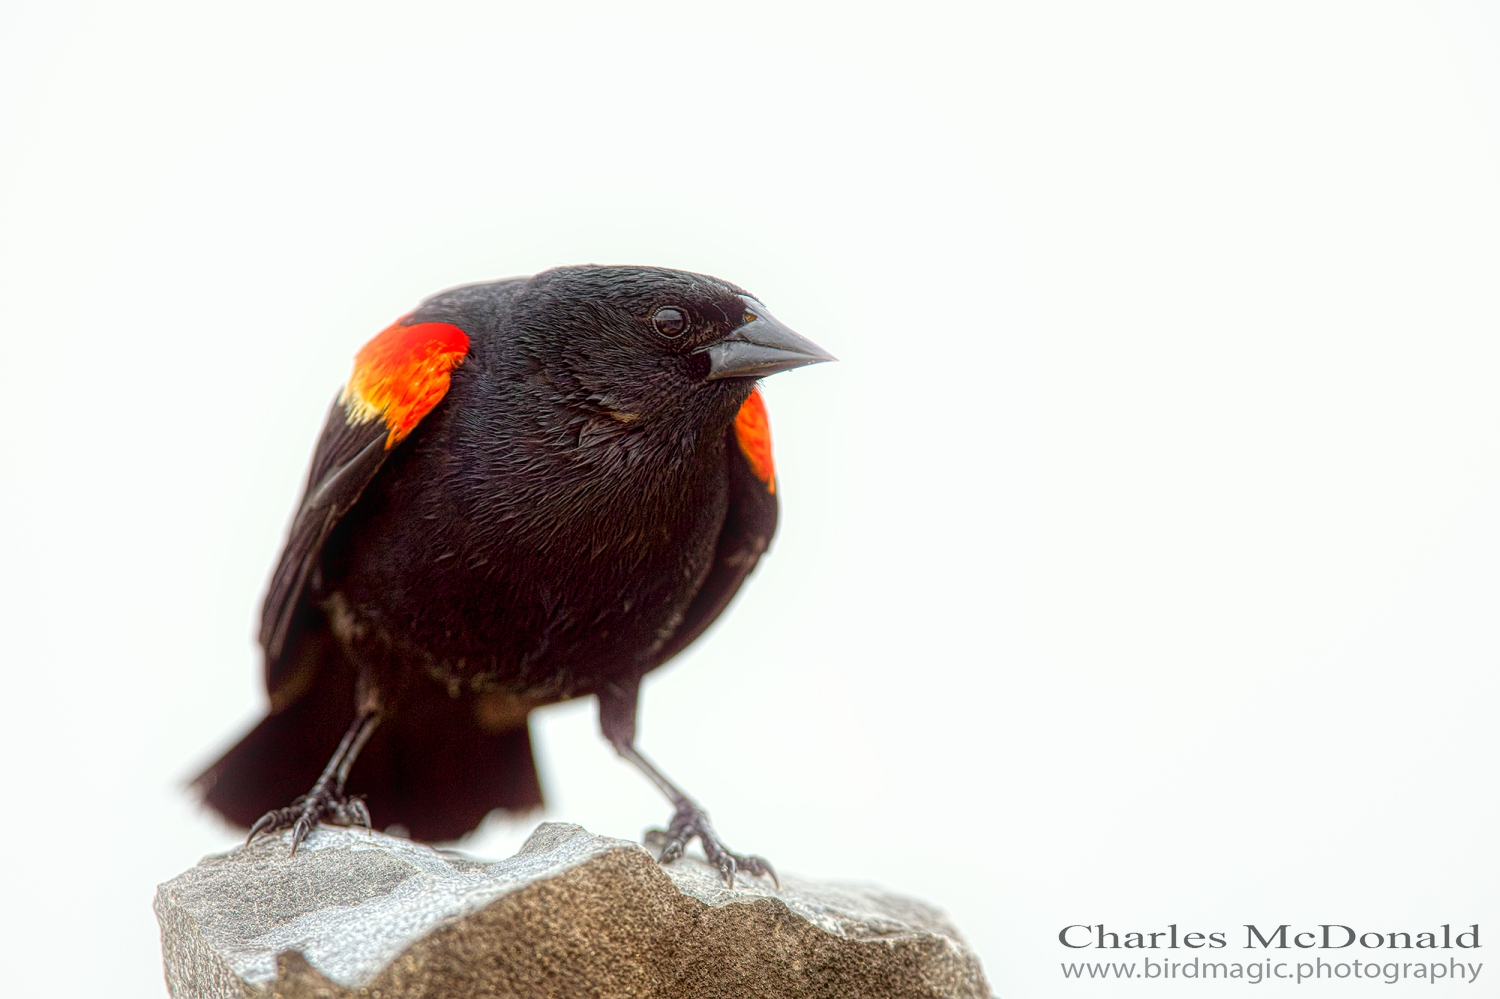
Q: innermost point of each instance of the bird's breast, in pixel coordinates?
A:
(542, 578)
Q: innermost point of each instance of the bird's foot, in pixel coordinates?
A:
(692, 821)
(324, 803)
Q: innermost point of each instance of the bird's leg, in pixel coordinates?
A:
(327, 800)
(689, 820)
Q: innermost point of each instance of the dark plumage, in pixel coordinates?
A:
(580, 504)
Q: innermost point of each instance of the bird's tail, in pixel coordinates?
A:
(429, 767)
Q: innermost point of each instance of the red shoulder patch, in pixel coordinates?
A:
(752, 428)
(402, 373)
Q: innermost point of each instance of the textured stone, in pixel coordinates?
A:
(572, 914)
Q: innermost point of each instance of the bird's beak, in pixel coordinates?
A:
(760, 347)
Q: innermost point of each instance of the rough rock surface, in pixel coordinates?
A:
(572, 914)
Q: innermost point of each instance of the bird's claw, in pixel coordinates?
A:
(321, 804)
(691, 822)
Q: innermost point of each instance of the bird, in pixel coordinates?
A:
(529, 490)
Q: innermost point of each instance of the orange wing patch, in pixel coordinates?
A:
(752, 428)
(401, 374)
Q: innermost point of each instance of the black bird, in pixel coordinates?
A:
(530, 490)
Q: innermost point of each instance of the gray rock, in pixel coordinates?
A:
(572, 914)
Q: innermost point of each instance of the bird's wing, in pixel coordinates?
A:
(398, 378)
(747, 529)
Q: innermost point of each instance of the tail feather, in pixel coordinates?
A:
(434, 771)
(428, 767)
(283, 755)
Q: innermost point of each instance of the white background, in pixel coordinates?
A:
(1138, 562)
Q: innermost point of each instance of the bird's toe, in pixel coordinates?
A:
(304, 814)
(691, 822)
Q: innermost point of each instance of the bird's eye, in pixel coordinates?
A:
(670, 322)
(750, 317)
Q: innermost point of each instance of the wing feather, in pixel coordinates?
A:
(346, 460)
(748, 527)
(399, 376)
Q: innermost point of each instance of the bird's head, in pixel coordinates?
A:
(650, 345)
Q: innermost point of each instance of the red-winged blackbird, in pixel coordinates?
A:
(530, 490)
